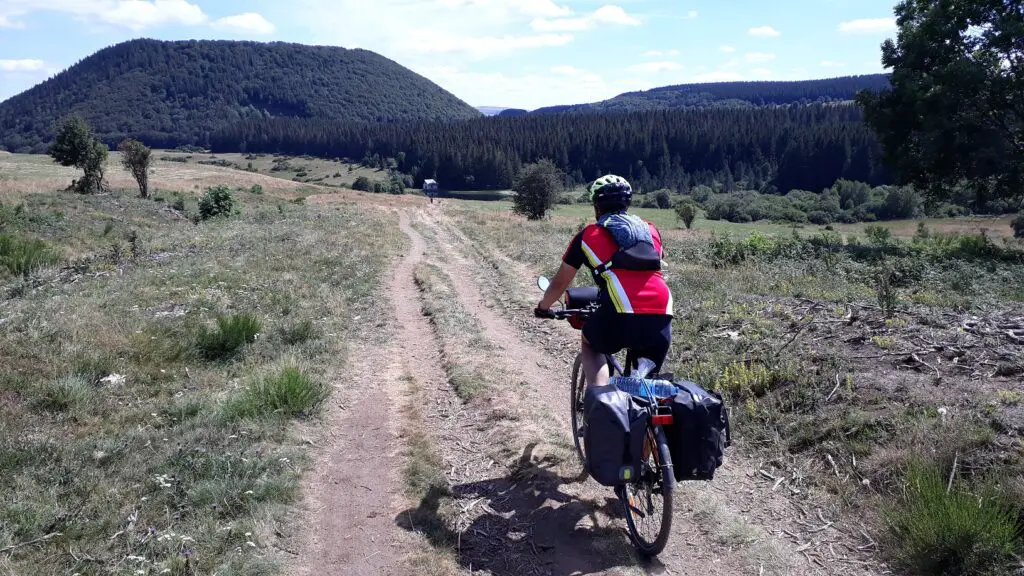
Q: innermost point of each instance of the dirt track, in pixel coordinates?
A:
(529, 514)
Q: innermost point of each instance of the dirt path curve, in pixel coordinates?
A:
(356, 489)
(740, 524)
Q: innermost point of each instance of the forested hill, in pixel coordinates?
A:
(785, 148)
(733, 95)
(171, 93)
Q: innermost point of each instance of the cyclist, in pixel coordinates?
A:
(624, 255)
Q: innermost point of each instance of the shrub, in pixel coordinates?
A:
(22, 257)
(663, 199)
(67, 393)
(137, 158)
(819, 217)
(231, 334)
(288, 393)
(217, 201)
(1018, 226)
(686, 213)
(76, 145)
(536, 188)
(256, 189)
(938, 531)
(878, 235)
(362, 183)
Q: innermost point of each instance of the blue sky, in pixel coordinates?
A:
(515, 53)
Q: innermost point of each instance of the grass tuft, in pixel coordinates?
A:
(22, 257)
(70, 393)
(288, 393)
(232, 333)
(299, 332)
(936, 531)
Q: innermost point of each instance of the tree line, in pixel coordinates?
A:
(772, 150)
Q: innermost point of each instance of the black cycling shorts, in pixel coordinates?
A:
(648, 335)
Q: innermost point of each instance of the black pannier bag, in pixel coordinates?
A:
(614, 436)
(699, 433)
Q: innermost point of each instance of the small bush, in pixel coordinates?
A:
(289, 393)
(67, 393)
(216, 202)
(878, 235)
(686, 213)
(936, 532)
(299, 332)
(663, 199)
(231, 334)
(256, 189)
(22, 257)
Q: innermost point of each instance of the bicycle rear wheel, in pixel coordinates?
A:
(647, 502)
(577, 392)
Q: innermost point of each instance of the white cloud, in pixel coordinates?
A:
(764, 32)
(759, 57)
(718, 76)
(567, 86)
(727, 49)
(654, 67)
(566, 70)
(22, 65)
(691, 14)
(139, 14)
(660, 53)
(831, 64)
(604, 15)
(868, 26)
(482, 46)
(135, 15)
(249, 22)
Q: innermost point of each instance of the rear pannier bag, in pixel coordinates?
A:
(614, 435)
(699, 433)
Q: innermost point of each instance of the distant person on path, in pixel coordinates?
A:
(624, 255)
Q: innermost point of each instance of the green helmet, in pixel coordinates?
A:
(611, 191)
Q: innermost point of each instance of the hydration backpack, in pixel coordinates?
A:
(614, 435)
(640, 254)
(699, 433)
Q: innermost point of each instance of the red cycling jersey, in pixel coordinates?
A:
(628, 291)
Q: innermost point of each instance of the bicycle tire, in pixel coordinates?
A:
(655, 547)
(577, 391)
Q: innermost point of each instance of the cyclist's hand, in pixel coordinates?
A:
(543, 313)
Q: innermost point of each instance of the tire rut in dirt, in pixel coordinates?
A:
(745, 526)
(521, 514)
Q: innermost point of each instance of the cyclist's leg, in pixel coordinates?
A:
(651, 337)
(601, 335)
(595, 365)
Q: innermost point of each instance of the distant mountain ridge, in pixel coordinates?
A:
(732, 95)
(171, 93)
(491, 110)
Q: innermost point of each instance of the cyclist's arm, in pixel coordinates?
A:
(559, 284)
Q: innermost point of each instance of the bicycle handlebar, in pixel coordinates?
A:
(560, 314)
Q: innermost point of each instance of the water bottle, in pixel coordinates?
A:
(643, 387)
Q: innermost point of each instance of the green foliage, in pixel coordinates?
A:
(686, 212)
(148, 87)
(878, 235)
(66, 394)
(232, 333)
(256, 189)
(288, 393)
(135, 158)
(22, 256)
(953, 114)
(941, 531)
(537, 187)
(678, 149)
(663, 199)
(217, 201)
(75, 145)
(362, 183)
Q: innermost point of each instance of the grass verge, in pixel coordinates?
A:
(134, 438)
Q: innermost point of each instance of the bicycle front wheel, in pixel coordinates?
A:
(578, 390)
(648, 501)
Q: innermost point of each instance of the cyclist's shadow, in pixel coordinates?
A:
(528, 523)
